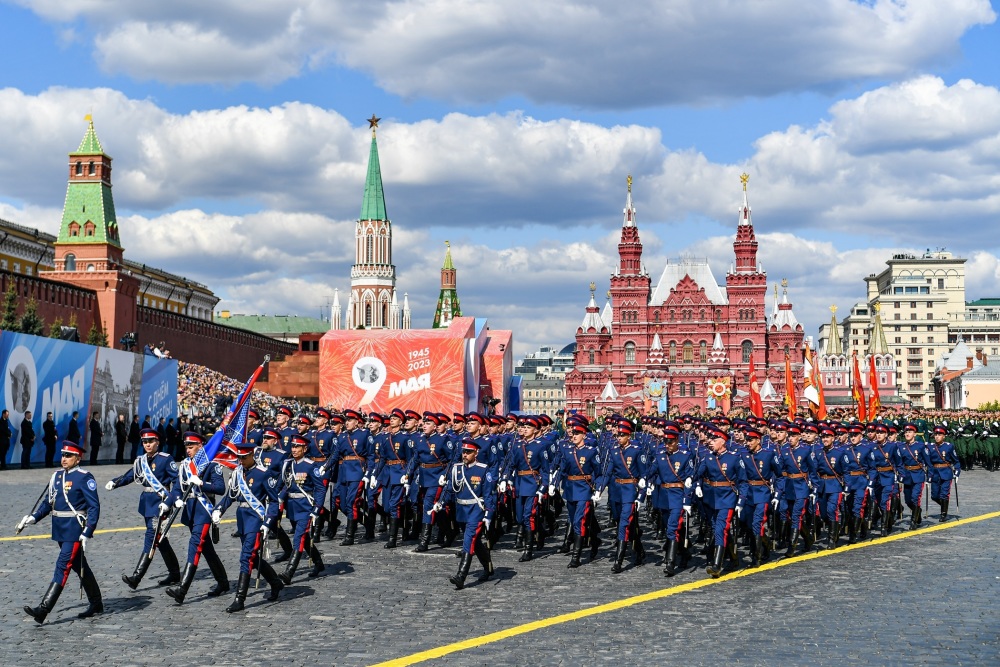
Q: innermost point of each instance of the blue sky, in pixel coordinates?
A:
(509, 128)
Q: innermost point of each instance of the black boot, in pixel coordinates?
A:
(271, 577)
(95, 604)
(423, 544)
(140, 571)
(574, 559)
(529, 546)
(519, 540)
(833, 536)
(754, 551)
(170, 560)
(463, 571)
(370, 526)
(179, 591)
(242, 586)
(793, 543)
(944, 511)
(393, 533)
(317, 559)
(486, 561)
(668, 561)
(640, 552)
(350, 532)
(595, 544)
(293, 564)
(567, 540)
(284, 542)
(48, 603)
(714, 568)
(619, 557)
(221, 578)
(332, 526)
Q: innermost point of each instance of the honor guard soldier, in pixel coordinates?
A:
(392, 465)
(198, 481)
(72, 500)
(761, 467)
(886, 467)
(473, 487)
(944, 467)
(798, 467)
(272, 457)
(670, 468)
(254, 427)
(829, 486)
(579, 470)
(254, 488)
(282, 418)
(156, 472)
(916, 460)
(431, 459)
(528, 472)
(857, 481)
(303, 493)
(351, 457)
(723, 471)
(626, 472)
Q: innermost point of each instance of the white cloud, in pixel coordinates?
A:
(593, 54)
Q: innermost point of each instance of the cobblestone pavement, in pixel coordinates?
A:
(928, 599)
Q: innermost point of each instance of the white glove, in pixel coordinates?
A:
(697, 491)
(263, 533)
(27, 520)
(774, 502)
(812, 498)
(642, 483)
(957, 473)
(596, 497)
(486, 522)
(110, 485)
(322, 471)
(404, 480)
(687, 509)
(372, 482)
(194, 479)
(83, 542)
(739, 512)
(687, 483)
(442, 480)
(552, 489)
(502, 488)
(540, 494)
(216, 516)
(164, 508)
(179, 503)
(437, 507)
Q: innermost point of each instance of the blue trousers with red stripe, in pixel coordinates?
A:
(200, 542)
(673, 523)
(249, 552)
(351, 494)
(526, 511)
(721, 521)
(432, 494)
(754, 517)
(69, 559)
(579, 514)
(471, 539)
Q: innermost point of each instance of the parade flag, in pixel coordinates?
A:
(875, 404)
(232, 430)
(789, 387)
(857, 391)
(756, 404)
(813, 386)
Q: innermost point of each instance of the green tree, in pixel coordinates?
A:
(31, 323)
(55, 329)
(10, 321)
(96, 336)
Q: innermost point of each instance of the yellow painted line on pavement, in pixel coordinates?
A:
(493, 637)
(18, 538)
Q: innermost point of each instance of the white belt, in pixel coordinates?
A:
(149, 489)
(297, 495)
(462, 501)
(67, 514)
(245, 506)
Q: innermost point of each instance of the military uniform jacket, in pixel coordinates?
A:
(72, 500)
(323, 439)
(528, 469)
(355, 451)
(473, 489)
(271, 458)
(394, 453)
(264, 485)
(857, 468)
(431, 457)
(726, 475)
(198, 508)
(798, 467)
(885, 462)
(830, 470)
(164, 468)
(303, 487)
(761, 470)
(667, 473)
(626, 466)
(579, 469)
(943, 460)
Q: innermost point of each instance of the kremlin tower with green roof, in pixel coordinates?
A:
(448, 307)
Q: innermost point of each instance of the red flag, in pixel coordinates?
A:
(858, 392)
(789, 387)
(875, 404)
(813, 386)
(756, 405)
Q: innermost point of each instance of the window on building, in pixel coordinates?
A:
(3, 264)
(913, 328)
(787, 350)
(90, 169)
(930, 351)
(899, 339)
(898, 351)
(688, 353)
(930, 316)
(368, 314)
(930, 339)
(747, 351)
(913, 304)
(896, 316)
(930, 305)
(28, 270)
(930, 363)
(79, 168)
(656, 316)
(683, 389)
(692, 388)
(913, 316)
(17, 267)
(913, 339)
(704, 352)
(940, 283)
(673, 351)
(630, 379)
(369, 248)
(630, 353)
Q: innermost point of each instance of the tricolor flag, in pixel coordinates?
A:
(857, 391)
(789, 387)
(813, 386)
(232, 430)
(756, 404)
(875, 404)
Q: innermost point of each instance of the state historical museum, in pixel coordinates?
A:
(687, 341)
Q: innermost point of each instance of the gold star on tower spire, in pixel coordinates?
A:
(373, 123)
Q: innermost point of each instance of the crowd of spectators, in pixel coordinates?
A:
(205, 394)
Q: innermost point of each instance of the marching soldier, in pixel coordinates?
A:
(945, 466)
(351, 456)
(72, 500)
(886, 466)
(528, 473)
(472, 485)
(272, 457)
(723, 471)
(916, 460)
(156, 471)
(761, 467)
(626, 472)
(431, 459)
(670, 470)
(798, 467)
(392, 463)
(579, 470)
(303, 493)
(199, 479)
(254, 487)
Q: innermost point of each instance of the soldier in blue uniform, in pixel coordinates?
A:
(626, 472)
(944, 467)
(156, 472)
(392, 464)
(254, 488)
(723, 471)
(528, 473)
(198, 481)
(272, 457)
(350, 461)
(431, 459)
(761, 467)
(916, 460)
(885, 466)
(670, 475)
(798, 467)
(579, 470)
(303, 492)
(858, 480)
(829, 489)
(473, 487)
(72, 500)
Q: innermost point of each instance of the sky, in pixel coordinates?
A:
(240, 143)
